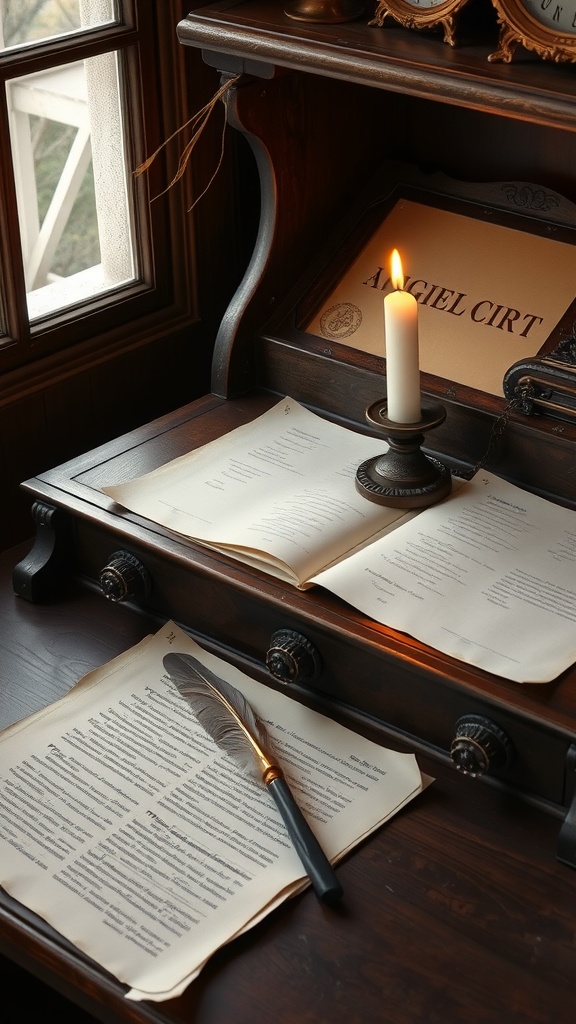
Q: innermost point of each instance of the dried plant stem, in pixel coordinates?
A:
(198, 122)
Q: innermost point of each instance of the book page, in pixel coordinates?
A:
(487, 576)
(279, 490)
(128, 830)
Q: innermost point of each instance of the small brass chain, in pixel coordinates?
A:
(522, 402)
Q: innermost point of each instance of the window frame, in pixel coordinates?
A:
(154, 75)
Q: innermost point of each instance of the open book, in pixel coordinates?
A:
(139, 840)
(486, 576)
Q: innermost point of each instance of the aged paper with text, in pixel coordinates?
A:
(488, 293)
(128, 830)
(277, 493)
(486, 576)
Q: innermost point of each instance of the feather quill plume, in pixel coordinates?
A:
(228, 718)
(224, 713)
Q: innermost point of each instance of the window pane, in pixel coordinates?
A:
(27, 21)
(70, 169)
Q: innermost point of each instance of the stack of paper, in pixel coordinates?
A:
(128, 830)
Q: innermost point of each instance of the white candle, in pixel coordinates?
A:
(402, 364)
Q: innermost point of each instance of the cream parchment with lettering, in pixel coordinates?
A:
(488, 294)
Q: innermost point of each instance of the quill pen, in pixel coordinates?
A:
(228, 718)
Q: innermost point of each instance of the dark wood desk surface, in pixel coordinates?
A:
(456, 911)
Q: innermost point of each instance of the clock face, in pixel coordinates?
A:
(559, 17)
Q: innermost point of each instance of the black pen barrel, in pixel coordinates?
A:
(318, 867)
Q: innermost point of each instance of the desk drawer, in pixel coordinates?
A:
(365, 672)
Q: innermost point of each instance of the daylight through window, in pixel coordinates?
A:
(68, 152)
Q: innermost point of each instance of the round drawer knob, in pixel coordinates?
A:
(291, 657)
(124, 577)
(480, 746)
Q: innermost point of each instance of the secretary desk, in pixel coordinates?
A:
(463, 907)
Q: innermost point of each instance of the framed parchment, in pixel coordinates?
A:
(493, 282)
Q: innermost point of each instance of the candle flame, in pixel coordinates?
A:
(397, 275)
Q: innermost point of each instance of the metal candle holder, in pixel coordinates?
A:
(404, 477)
(325, 11)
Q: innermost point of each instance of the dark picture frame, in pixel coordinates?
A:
(523, 209)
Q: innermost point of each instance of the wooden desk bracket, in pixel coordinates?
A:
(566, 852)
(47, 565)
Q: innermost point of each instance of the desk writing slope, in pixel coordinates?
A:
(487, 576)
(133, 835)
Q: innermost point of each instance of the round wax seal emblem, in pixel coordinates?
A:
(340, 321)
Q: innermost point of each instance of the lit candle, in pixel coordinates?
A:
(402, 366)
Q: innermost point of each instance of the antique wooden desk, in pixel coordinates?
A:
(460, 909)
(457, 910)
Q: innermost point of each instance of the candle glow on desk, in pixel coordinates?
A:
(402, 363)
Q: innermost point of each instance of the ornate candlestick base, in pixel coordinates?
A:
(404, 477)
(325, 11)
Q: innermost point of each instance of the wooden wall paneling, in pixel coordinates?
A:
(74, 414)
(69, 417)
(25, 445)
(186, 361)
(329, 144)
(487, 149)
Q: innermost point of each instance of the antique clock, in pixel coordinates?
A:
(421, 14)
(544, 26)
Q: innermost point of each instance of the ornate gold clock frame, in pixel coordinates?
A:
(540, 31)
(426, 15)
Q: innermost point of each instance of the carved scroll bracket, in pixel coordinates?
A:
(48, 565)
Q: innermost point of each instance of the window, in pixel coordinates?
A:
(71, 183)
(85, 88)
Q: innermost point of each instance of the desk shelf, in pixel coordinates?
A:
(258, 34)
